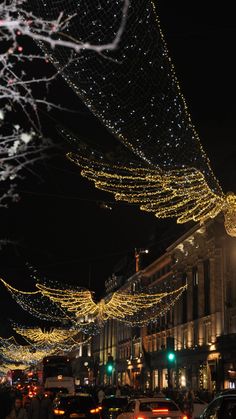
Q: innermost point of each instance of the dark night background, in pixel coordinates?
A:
(59, 225)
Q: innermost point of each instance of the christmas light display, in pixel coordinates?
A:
(81, 310)
(11, 351)
(37, 305)
(7, 366)
(121, 305)
(51, 337)
(134, 91)
(183, 194)
(32, 353)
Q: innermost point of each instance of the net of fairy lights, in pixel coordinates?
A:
(134, 91)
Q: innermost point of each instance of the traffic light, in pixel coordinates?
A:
(171, 359)
(109, 365)
(109, 368)
(170, 350)
(171, 356)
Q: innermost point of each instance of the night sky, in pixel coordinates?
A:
(59, 225)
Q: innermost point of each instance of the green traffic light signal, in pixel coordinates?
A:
(171, 356)
(109, 365)
(109, 368)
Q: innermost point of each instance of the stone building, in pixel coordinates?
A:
(202, 323)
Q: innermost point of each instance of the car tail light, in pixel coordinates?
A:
(160, 411)
(140, 417)
(99, 407)
(59, 412)
(184, 417)
(95, 410)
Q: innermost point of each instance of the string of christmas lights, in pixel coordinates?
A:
(121, 305)
(134, 91)
(33, 353)
(182, 193)
(7, 366)
(25, 354)
(35, 304)
(155, 313)
(50, 337)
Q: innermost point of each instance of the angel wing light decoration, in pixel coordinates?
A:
(78, 304)
(50, 337)
(135, 93)
(25, 354)
(121, 305)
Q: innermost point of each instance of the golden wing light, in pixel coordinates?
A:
(40, 336)
(78, 302)
(183, 193)
(122, 306)
(125, 306)
(27, 354)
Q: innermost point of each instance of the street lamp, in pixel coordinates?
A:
(137, 254)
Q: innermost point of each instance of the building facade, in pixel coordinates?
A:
(202, 322)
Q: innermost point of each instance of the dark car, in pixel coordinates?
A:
(75, 407)
(112, 406)
(222, 407)
(53, 392)
(226, 391)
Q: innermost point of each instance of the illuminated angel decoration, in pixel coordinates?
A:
(134, 91)
(79, 307)
(183, 194)
(32, 353)
(24, 354)
(49, 337)
(121, 305)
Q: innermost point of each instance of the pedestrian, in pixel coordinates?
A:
(101, 395)
(18, 411)
(40, 406)
(188, 403)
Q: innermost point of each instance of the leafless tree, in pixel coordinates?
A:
(21, 145)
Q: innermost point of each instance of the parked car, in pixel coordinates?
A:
(152, 408)
(226, 391)
(112, 406)
(76, 407)
(222, 407)
(198, 407)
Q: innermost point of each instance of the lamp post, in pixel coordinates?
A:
(137, 254)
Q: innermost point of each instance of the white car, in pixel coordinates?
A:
(152, 408)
